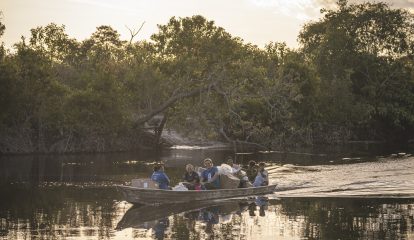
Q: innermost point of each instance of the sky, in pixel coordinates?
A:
(256, 21)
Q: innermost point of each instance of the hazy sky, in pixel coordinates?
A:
(255, 21)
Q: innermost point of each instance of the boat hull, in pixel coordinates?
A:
(159, 196)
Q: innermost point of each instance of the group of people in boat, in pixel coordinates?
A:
(209, 178)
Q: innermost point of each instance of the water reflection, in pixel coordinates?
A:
(72, 212)
(94, 168)
(121, 167)
(71, 196)
(285, 219)
(58, 212)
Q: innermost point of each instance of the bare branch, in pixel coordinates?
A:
(133, 32)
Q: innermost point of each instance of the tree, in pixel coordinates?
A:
(357, 49)
(192, 54)
(53, 42)
(2, 26)
(2, 29)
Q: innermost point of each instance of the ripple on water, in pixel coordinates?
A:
(385, 178)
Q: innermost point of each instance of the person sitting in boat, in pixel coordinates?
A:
(264, 173)
(160, 177)
(190, 177)
(237, 171)
(198, 186)
(252, 171)
(235, 168)
(262, 177)
(210, 176)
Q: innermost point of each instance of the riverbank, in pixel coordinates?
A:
(137, 140)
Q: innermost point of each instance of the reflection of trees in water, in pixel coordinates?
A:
(95, 168)
(34, 213)
(351, 218)
(299, 218)
(91, 168)
(74, 212)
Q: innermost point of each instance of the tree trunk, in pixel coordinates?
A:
(158, 131)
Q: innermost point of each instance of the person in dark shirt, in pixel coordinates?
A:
(190, 177)
(252, 171)
(160, 177)
(210, 177)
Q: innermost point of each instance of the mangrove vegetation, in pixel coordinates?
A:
(351, 79)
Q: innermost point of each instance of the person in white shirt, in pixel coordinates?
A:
(235, 168)
(262, 177)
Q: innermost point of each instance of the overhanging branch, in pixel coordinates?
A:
(171, 101)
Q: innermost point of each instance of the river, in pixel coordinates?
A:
(347, 195)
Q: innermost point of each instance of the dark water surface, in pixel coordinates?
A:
(353, 195)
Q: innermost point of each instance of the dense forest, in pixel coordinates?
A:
(352, 78)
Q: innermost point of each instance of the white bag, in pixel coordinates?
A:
(236, 169)
(180, 187)
(225, 169)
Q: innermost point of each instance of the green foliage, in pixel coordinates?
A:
(358, 50)
(52, 42)
(2, 29)
(353, 78)
(195, 54)
(2, 26)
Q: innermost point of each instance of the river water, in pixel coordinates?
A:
(351, 195)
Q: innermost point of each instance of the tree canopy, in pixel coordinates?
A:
(351, 79)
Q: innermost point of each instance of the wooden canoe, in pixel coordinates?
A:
(149, 196)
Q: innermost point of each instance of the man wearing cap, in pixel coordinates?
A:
(210, 176)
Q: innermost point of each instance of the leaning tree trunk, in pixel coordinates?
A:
(158, 131)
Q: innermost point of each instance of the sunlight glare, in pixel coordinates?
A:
(303, 10)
